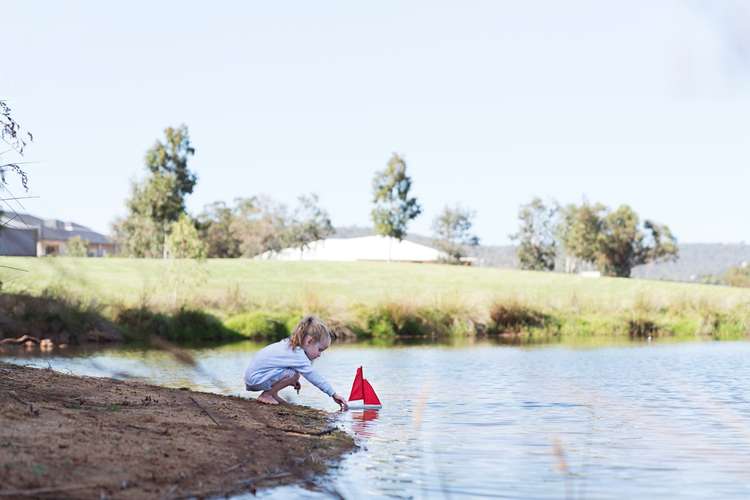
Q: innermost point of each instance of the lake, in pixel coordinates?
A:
(607, 420)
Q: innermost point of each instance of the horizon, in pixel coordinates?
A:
(490, 104)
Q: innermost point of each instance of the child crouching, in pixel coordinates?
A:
(279, 365)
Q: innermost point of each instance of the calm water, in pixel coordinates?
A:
(644, 420)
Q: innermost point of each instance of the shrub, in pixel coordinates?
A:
(516, 317)
(185, 325)
(261, 325)
(53, 315)
(391, 320)
(643, 327)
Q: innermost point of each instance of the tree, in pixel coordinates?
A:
(614, 241)
(76, 247)
(537, 247)
(622, 244)
(215, 226)
(309, 223)
(394, 208)
(579, 230)
(171, 157)
(138, 236)
(452, 231)
(738, 276)
(184, 241)
(159, 200)
(260, 224)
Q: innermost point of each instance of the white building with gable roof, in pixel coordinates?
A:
(372, 248)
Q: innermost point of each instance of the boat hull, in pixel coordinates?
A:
(359, 405)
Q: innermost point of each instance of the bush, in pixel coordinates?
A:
(185, 325)
(56, 316)
(516, 317)
(391, 320)
(643, 327)
(262, 325)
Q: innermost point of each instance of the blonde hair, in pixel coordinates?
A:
(309, 326)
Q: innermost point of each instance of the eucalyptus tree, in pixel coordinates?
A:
(159, 200)
(309, 222)
(537, 241)
(452, 232)
(394, 207)
(615, 241)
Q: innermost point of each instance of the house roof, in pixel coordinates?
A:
(362, 248)
(52, 229)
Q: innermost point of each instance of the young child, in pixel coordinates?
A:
(279, 365)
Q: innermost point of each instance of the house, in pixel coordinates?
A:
(372, 248)
(31, 236)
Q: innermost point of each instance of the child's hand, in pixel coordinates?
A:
(297, 387)
(341, 401)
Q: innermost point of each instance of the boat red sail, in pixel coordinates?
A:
(371, 399)
(363, 395)
(357, 387)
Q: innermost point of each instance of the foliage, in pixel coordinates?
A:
(738, 276)
(452, 231)
(261, 325)
(537, 243)
(579, 230)
(76, 247)
(184, 241)
(215, 223)
(158, 200)
(138, 236)
(184, 325)
(390, 320)
(515, 316)
(308, 223)
(394, 208)
(171, 158)
(12, 134)
(260, 225)
(614, 241)
(623, 245)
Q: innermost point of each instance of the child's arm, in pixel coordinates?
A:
(318, 381)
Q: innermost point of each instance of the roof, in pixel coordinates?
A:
(52, 229)
(362, 248)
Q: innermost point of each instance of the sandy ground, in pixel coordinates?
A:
(64, 436)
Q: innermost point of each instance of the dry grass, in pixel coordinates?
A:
(396, 299)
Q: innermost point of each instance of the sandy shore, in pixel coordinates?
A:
(64, 436)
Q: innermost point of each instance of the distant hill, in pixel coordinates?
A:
(696, 259)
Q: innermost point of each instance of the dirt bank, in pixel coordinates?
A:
(64, 436)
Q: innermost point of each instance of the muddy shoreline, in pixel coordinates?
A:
(64, 436)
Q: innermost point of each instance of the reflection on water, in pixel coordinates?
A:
(362, 423)
(470, 419)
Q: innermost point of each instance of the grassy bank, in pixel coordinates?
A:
(385, 300)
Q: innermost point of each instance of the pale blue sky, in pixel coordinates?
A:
(492, 103)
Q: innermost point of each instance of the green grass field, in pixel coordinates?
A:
(228, 286)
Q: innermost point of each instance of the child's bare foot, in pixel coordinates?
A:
(267, 398)
(279, 399)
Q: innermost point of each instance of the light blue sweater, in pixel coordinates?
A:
(270, 363)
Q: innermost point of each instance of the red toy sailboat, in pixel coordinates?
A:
(363, 395)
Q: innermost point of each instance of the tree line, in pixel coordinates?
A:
(612, 241)
(158, 225)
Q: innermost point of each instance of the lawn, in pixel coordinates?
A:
(226, 284)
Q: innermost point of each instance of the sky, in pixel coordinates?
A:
(491, 104)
